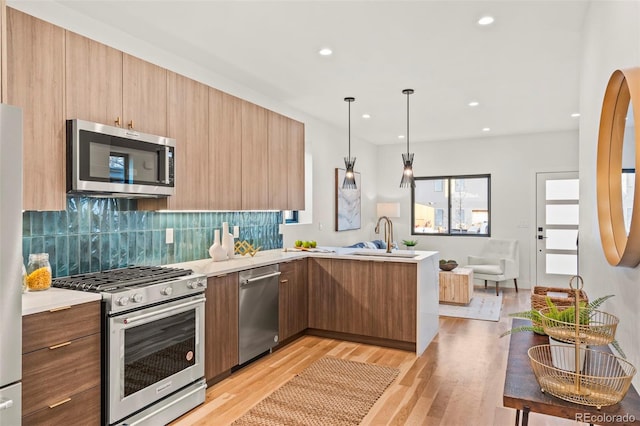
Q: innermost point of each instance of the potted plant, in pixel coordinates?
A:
(410, 244)
(565, 315)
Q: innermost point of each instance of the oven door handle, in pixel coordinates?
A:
(136, 318)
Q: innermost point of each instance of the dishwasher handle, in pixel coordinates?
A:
(248, 281)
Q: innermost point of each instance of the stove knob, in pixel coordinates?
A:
(167, 291)
(193, 284)
(202, 283)
(123, 301)
(137, 298)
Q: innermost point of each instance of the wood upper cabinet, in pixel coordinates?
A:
(93, 80)
(35, 83)
(394, 300)
(255, 157)
(286, 163)
(225, 151)
(221, 325)
(3, 51)
(293, 298)
(144, 96)
(278, 160)
(188, 124)
(295, 165)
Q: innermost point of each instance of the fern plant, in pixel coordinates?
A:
(566, 315)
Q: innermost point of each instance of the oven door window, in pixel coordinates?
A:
(157, 350)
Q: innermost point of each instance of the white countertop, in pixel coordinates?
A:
(268, 257)
(40, 301)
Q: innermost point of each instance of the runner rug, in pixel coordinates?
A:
(331, 391)
(484, 306)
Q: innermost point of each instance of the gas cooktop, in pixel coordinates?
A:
(114, 279)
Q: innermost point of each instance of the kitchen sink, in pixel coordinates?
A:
(383, 253)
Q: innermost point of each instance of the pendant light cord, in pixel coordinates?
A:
(408, 122)
(349, 130)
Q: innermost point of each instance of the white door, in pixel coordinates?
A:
(557, 228)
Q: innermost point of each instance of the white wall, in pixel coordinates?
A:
(612, 41)
(325, 144)
(512, 161)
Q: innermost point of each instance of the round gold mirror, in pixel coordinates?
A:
(618, 201)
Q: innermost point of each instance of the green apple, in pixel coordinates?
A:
(306, 244)
(298, 243)
(313, 244)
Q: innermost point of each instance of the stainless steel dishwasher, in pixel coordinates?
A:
(258, 311)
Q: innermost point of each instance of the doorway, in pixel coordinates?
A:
(557, 215)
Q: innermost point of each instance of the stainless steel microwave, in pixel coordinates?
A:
(110, 161)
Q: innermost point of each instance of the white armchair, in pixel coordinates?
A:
(499, 262)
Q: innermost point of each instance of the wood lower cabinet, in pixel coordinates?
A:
(221, 325)
(323, 293)
(35, 83)
(394, 300)
(293, 303)
(61, 366)
(366, 298)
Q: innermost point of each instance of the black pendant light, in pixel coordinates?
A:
(407, 175)
(350, 176)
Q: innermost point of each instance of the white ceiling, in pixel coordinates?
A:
(523, 70)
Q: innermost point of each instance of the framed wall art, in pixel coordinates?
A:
(347, 203)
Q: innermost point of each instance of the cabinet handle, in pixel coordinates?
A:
(61, 308)
(284, 281)
(131, 124)
(64, 401)
(59, 345)
(117, 121)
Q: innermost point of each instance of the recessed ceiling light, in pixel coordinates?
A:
(575, 115)
(486, 20)
(486, 129)
(366, 116)
(473, 103)
(400, 136)
(325, 51)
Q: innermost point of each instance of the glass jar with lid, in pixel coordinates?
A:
(38, 272)
(24, 277)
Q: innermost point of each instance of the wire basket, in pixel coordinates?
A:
(599, 327)
(603, 380)
(540, 294)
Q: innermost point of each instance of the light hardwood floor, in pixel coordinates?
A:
(457, 381)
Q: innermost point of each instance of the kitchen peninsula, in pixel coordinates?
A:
(364, 295)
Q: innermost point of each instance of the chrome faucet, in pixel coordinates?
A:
(388, 231)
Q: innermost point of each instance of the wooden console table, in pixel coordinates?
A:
(456, 287)
(522, 392)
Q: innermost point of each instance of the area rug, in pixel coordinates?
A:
(483, 306)
(331, 391)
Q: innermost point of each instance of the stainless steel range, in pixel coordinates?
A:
(153, 341)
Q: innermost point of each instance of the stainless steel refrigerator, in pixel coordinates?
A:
(10, 265)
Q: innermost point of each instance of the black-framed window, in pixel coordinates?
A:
(452, 205)
(290, 216)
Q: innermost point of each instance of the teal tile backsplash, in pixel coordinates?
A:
(95, 234)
